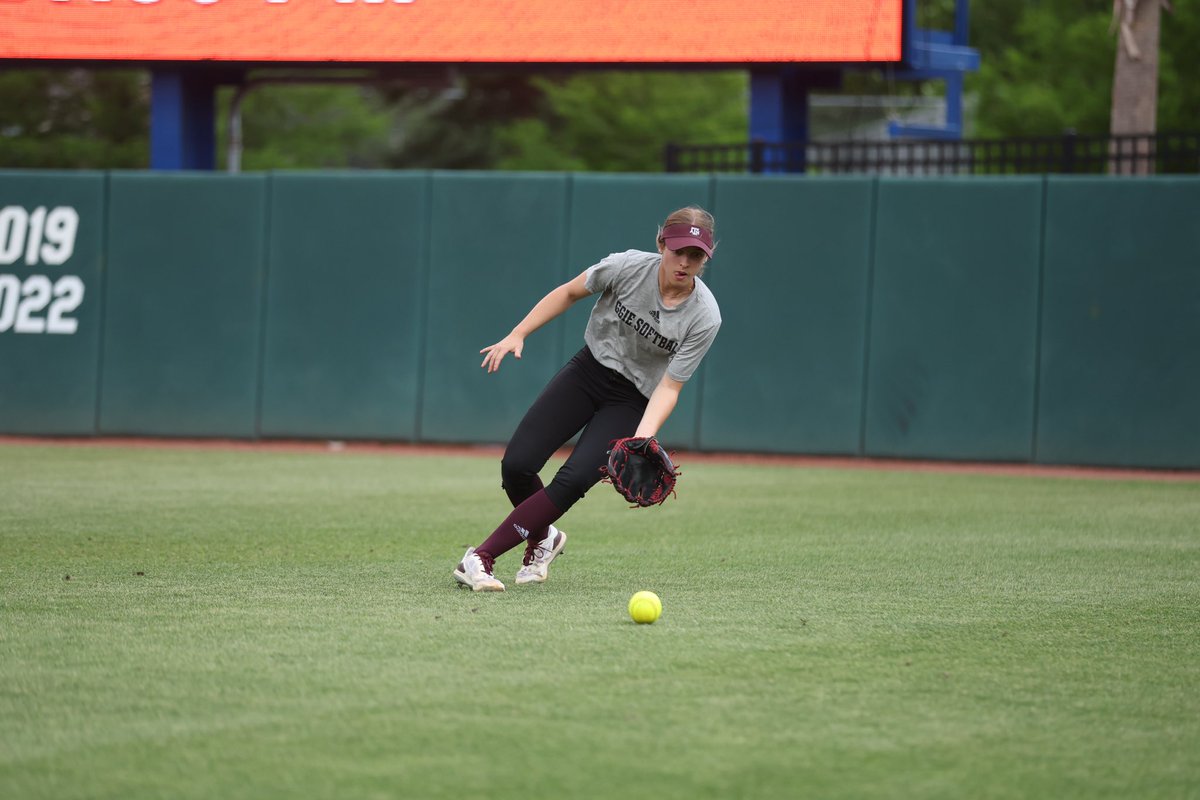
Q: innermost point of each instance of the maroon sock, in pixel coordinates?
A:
(526, 520)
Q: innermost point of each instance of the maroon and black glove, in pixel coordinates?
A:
(641, 471)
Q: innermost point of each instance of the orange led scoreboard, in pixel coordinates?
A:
(454, 31)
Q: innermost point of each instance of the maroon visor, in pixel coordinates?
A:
(684, 234)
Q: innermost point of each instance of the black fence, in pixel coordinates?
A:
(1163, 153)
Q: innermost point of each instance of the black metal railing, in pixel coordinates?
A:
(1163, 153)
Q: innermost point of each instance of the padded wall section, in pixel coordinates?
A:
(1120, 358)
(51, 286)
(182, 324)
(908, 318)
(344, 305)
(785, 374)
(954, 319)
(614, 213)
(496, 248)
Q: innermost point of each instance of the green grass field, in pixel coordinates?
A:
(274, 624)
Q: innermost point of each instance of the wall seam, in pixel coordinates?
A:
(102, 321)
(424, 279)
(1037, 335)
(872, 236)
(564, 269)
(697, 426)
(263, 305)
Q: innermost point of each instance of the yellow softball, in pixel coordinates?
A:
(645, 607)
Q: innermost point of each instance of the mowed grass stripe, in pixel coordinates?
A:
(294, 631)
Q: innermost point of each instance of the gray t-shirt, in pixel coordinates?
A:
(630, 329)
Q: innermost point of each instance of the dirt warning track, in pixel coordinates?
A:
(681, 457)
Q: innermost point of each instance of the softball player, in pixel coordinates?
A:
(651, 326)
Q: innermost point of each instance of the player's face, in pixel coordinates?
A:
(680, 267)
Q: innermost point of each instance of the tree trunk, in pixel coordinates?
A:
(1135, 85)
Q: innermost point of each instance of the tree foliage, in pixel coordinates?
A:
(621, 121)
(74, 118)
(1179, 68)
(454, 126)
(1047, 66)
(1044, 70)
(290, 126)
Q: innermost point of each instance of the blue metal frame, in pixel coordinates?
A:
(937, 55)
(182, 120)
(779, 95)
(778, 105)
(779, 109)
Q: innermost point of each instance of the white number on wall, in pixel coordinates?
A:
(22, 304)
(38, 303)
(10, 289)
(35, 296)
(68, 294)
(39, 235)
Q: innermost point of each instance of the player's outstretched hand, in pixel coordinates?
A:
(494, 354)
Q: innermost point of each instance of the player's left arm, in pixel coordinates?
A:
(662, 403)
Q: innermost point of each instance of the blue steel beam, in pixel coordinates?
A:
(182, 121)
(931, 51)
(779, 111)
(938, 55)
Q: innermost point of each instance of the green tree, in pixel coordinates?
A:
(1047, 65)
(74, 118)
(621, 121)
(1179, 68)
(291, 126)
(454, 126)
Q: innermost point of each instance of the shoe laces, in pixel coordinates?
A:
(532, 551)
(486, 560)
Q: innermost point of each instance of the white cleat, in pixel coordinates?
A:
(535, 567)
(476, 571)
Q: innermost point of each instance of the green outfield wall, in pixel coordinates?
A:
(1026, 319)
(52, 228)
(1120, 333)
(786, 373)
(345, 306)
(183, 321)
(954, 310)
